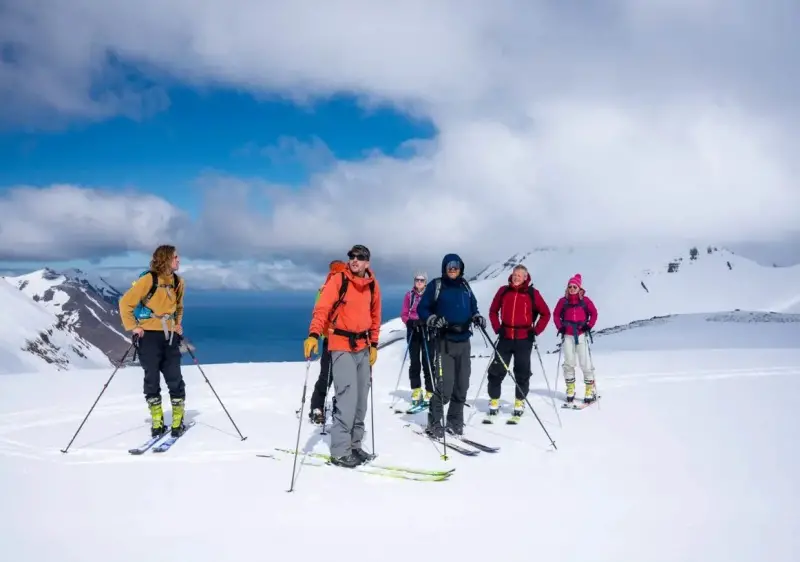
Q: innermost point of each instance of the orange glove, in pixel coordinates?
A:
(310, 345)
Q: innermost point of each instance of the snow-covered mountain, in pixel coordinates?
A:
(635, 282)
(34, 338)
(81, 307)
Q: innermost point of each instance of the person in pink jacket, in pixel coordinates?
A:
(414, 339)
(574, 316)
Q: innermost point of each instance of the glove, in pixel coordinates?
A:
(185, 346)
(373, 355)
(586, 328)
(310, 345)
(562, 330)
(479, 320)
(436, 321)
(531, 335)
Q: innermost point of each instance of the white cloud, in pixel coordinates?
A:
(63, 222)
(558, 122)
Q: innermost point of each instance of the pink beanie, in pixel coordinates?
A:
(576, 280)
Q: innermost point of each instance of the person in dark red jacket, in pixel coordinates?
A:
(518, 314)
(574, 316)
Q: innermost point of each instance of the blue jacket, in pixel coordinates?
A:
(456, 302)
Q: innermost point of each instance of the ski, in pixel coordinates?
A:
(144, 447)
(403, 472)
(458, 448)
(579, 405)
(165, 446)
(476, 444)
(412, 409)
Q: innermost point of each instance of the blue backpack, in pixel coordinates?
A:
(142, 312)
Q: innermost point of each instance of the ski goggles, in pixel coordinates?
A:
(453, 265)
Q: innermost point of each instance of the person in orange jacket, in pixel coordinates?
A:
(317, 408)
(349, 308)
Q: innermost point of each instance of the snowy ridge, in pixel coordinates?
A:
(33, 338)
(631, 283)
(83, 304)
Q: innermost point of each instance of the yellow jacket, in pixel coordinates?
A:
(165, 301)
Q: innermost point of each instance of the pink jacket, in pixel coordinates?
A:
(409, 311)
(574, 315)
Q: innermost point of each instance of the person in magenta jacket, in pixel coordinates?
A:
(574, 316)
(414, 337)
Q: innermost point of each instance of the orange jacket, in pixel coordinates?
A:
(355, 314)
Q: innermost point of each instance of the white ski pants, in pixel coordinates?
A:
(577, 354)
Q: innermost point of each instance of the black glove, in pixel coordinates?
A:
(436, 321)
(479, 320)
(586, 328)
(562, 331)
(531, 336)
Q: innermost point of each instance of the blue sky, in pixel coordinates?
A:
(264, 140)
(202, 131)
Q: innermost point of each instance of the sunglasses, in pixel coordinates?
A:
(359, 257)
(419, 280)
(572, 286)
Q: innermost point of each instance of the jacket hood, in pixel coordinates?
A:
(447, 259)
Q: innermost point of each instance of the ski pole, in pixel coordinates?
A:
(197, 364)
(591, 363)
(105, 386)
(400, 374)
(547, 382)
(508, 370)
(480, 386)
(558, 364)
(300, 424)
(327, 387)
(436, 392)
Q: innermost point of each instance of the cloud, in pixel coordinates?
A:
(63, 222)
(202, 275)
(558, 123)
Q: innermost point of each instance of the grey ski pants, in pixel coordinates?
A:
(351, 381)
(454, 383)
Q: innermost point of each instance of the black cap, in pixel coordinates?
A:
(359, 250)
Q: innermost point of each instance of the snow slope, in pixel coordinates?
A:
(637, 282)
(688, 456)
(32, 338)
(84, 303)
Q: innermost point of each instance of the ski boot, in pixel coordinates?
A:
(157, 427)
(570, 391)
(426, 401)
(178, 409)
(347, 461)
(316, 416)
(589, 395)
(416, 397)
(494, 409)
(519, 408)
(362, 455)
(434, 430)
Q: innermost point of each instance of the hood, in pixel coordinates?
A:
(447, 259)
(525, 282)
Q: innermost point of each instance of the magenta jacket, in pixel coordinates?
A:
(409, 311)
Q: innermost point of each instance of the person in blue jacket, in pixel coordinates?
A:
(449, 309)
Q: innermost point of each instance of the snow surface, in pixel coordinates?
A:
(688, 456)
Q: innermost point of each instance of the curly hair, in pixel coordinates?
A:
(162, 260)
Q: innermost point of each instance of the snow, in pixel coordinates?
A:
(688, 456)
(25, 321)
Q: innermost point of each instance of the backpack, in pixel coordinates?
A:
(142, 312)
(411, 299)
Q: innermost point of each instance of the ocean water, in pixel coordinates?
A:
(242, 327)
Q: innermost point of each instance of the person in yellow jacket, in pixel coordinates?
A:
(152, 310)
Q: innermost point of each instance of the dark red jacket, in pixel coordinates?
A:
(519, 315)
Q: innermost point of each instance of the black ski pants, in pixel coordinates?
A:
(324, 380)
(418, 359)
(453, 385)
(520, 350)
(158, 356)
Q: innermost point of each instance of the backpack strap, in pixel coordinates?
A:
(352, 336)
